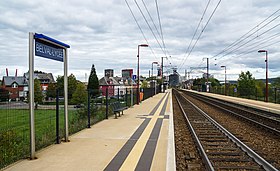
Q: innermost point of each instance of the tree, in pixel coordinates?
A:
(72, 84)
(144, 84)
(93, 83)
(276, 82)
(60, 84)
(38, 95)
(246, 84)
(51, 92)
(80, 94)
(197, 82)
(214, 82)
(260, 87)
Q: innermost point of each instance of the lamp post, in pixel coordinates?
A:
(266, 74)
(153, 73)
(153, 67)
(225, 78)
(207, 77)
(138, 77)
(162, 87)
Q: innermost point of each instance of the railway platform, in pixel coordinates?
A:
(141, 139)
(270, 107)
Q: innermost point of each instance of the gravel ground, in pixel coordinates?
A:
(187, 157)
(264, 143)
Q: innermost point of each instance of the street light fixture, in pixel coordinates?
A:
(225, 78)
(138, 77)
(266, 74)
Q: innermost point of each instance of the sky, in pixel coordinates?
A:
(106, 34)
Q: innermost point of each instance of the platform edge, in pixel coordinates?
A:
(171, 162)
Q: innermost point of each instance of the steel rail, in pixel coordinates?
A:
(261, 161)
(266, 115)
(273, 130)
(205, 159)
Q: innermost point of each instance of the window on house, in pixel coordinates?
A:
(14, 85)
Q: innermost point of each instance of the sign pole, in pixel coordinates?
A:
(31, 95)
(66, 94)
(131, 95)
(49, 48)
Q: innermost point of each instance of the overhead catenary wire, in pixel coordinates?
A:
(160, 26)
(164, 51)
(149, 26)
(253, 49)
(197, 26)
(239, 40)
(151, 18)
(196, 30)
(162, 37)
(150, 46)
(250, 40)
(260, 42)
(140, 28)
(212, 14)
(159, 33)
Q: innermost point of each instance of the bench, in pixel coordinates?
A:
(117, 108)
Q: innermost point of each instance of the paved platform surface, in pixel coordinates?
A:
(141, 139)
(271, 107)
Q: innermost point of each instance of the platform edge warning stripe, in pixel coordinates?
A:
(134, 156)
(171, 161)
(121, 156)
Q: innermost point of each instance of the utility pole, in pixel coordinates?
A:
(266, 74)
(223, 66)
(185, 74)
(207, 89)
(155, 81)
(207, 70)
(162, 73)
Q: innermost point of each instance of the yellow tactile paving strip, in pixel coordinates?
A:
(131, 161)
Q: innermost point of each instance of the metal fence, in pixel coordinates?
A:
(49, 118)
(256, 94)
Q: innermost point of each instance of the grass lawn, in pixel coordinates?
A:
(15, 129)
(18, 118)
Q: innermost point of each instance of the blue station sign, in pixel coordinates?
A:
(48, 51)
(50, 48)
(134, 77)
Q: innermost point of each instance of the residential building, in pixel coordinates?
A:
(108, 83)
(115, 84)
(17, 87)
(44, 78)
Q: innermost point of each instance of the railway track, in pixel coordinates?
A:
(219, 149)
(263, 119)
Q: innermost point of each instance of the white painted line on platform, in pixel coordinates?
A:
(171, 162)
